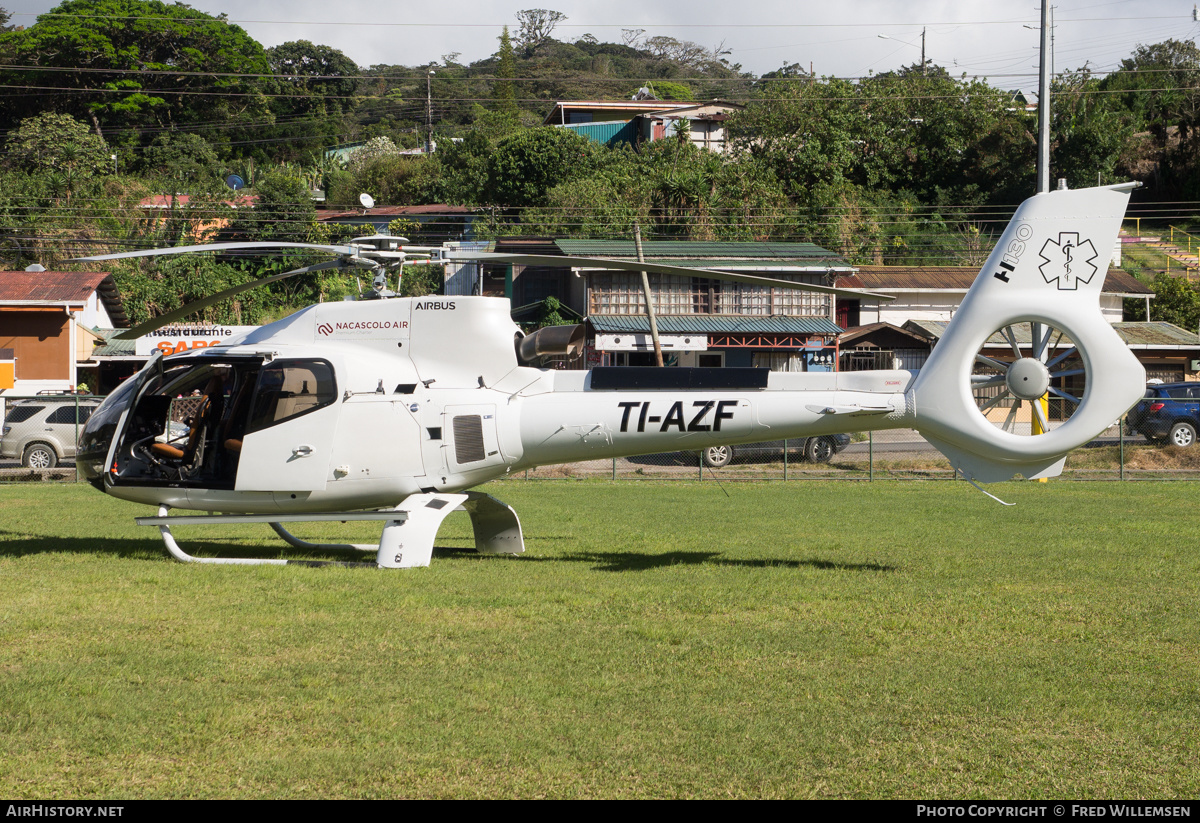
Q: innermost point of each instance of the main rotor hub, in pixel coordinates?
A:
(1028, 378)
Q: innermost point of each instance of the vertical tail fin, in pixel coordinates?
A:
(1040, 292)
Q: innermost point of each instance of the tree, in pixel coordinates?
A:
(57, 143)
(148, 64)
(464, 169)
(1175, 300)
(684, 52)
(1087, 136)
(181, 157)
(831, 131)
(1162, 82)
(807, 132)
(523, 167)
(1157, 90)
(535, 27)
(377, 148)
(505, 92)
(283, 209)
(316, 88)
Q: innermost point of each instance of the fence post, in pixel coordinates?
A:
(1122, 424)
(785, 462)
(700, 465)
(76, 432)
(870, 455)
(614, 468)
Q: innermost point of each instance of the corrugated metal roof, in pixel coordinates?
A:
(526, 245)
(725, 251)
(859, 332)
(625, 108)
(111, 347)
(957, 278)
(747, 266)
(51, 286)
(1156, 333)
(1142, 334)
(713, 324)
(933, 329)
(63, 287)
(168, 201)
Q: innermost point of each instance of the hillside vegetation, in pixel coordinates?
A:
(911, 166)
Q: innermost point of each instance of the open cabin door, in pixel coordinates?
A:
(290, 429)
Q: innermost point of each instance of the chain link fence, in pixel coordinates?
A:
(893, 454)
(39, 435)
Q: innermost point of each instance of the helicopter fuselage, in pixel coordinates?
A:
(358, 405)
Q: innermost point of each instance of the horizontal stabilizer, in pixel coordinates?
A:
(985, 470)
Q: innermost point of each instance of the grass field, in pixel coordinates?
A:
(657, 640)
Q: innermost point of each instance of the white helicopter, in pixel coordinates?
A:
(392, 409)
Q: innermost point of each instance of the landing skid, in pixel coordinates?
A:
(408, 533)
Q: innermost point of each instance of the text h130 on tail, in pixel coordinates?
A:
(392, 409)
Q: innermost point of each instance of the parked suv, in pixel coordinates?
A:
(42, 432)
(1169, 413)
(814, 449)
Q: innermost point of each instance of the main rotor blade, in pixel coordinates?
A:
(653, 268)
(198, 305)
(250, 244)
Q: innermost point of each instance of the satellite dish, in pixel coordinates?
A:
(234, 182)
(368, 202)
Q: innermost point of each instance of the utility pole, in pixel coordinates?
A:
(924, 68)
(1043, 162)
(637, 240)
(429, 112)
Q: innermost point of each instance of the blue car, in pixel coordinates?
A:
(1169, 414)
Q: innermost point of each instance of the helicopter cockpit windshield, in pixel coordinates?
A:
(188, 420)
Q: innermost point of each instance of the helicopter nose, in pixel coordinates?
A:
(89, 461)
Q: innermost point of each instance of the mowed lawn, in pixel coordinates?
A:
(813, 639)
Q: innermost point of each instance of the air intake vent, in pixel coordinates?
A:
(468, 438)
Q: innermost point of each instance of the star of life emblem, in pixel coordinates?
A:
(1068, 260)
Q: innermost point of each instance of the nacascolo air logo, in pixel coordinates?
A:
(361, 328)
(1068, 260)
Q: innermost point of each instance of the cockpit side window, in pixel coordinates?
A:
(290, 388)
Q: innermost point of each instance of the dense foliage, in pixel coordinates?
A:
(906, 166)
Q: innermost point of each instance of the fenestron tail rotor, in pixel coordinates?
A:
(1036, 368)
